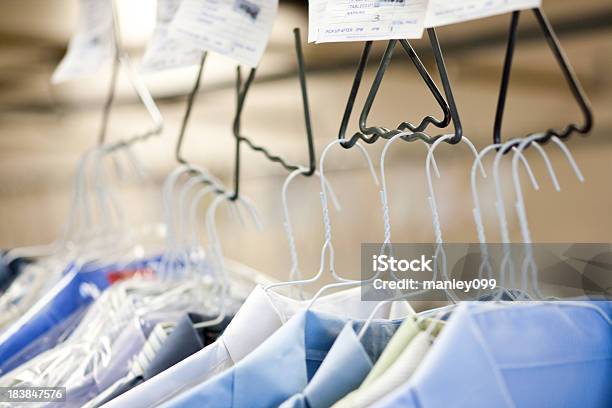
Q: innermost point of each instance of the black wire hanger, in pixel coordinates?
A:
(183, 128)
(568, 72)
(242, 91)
(371, 134)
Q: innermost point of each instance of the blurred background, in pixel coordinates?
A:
(45, 128)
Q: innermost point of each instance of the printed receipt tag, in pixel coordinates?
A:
(443, 12)
(164, 52)
(238, 29)
(316, 10)
(92, 45)
(359, 20)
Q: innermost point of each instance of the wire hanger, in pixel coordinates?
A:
(507, 262)
(435, 215)
(429, 163)
(327, 252)
(187, 167)
(120, 60)
(175, 256)
(485, 262)
(440, 253)
(370, 135)
(387, 228)
(217, 257)
(567, 70)
(79, 207)
(242, 91)
(294, 272)
(529, 261)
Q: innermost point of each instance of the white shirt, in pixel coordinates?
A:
(258, 318)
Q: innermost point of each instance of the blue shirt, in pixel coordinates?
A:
(345, 367)
(280, 368)
(534, 355)
(76, 290)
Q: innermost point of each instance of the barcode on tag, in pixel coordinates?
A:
(238, 29)
(443, 12)
(359, 20)
(92, 45)
(164, 52)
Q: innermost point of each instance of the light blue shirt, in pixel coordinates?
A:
(522, 355)
(284, 365)
(346, 366)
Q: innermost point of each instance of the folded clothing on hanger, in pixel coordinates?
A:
(116, 328)
(261, 315)
(183, 341)
(76, 290)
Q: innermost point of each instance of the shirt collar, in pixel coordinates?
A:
(265, 312)
(292, 352)
(344, 368)
(315, 353)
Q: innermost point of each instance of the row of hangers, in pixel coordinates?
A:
(406, 131)
(368, 134)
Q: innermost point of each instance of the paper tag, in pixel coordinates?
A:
(316, 11)
(363, 20)
(238, 29)
(443, 12)
(164, 52)
(92, 45)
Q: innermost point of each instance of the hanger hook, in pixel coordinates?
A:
(570, 78)
(370, 135)
(242, 91)
(425, 122)
(190, 102)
